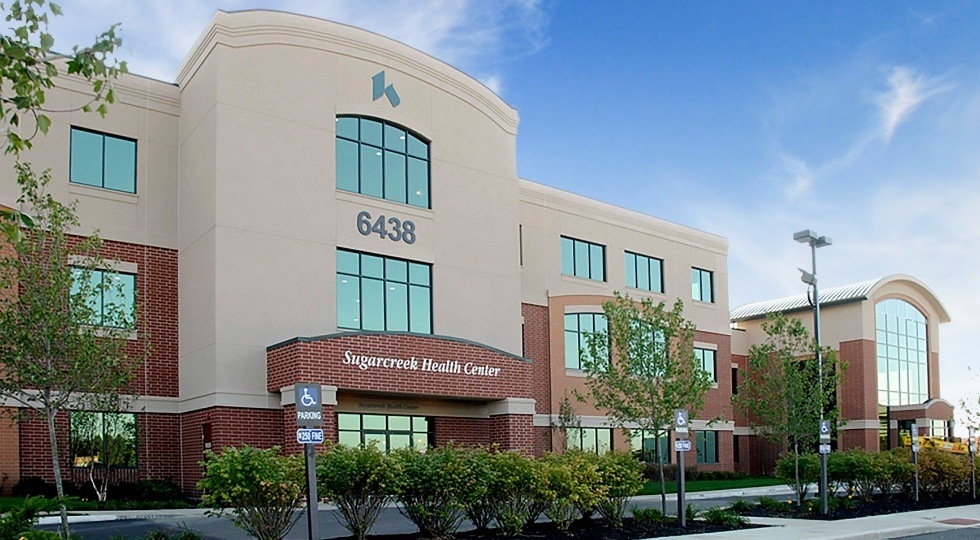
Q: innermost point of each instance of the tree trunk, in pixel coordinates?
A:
(58, 484)
(796, 472)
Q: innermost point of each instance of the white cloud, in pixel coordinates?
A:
(800, 177)
(907, 90)
(472, 35)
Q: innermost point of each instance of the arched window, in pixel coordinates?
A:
(383, 160)
(903, 353)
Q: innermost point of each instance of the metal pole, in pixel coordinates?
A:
(915, 485)
(312, 500)
(681, 508)
(973, 462)
(816, 335)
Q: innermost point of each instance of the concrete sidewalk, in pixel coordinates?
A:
(868, 528)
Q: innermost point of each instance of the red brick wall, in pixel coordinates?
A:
(156, 293)
(322, 361)
(543, 440)
(761, 455)
(513, 432)
(859, 388)
(261, 428)
(536, 348)
(157, 437)
(463, 431)
(858, 438)
(9, 451)
(718, 402)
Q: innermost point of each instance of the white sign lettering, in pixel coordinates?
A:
(453, 367)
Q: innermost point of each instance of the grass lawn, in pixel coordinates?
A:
(653, 488)
(8, 503)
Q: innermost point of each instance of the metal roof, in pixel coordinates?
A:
(855, 292)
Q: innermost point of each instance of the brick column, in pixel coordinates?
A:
(512, 424)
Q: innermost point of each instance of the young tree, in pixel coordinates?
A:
(567, 421)
(62, 335)
(51, 357)
(781, 396)
(643, 367)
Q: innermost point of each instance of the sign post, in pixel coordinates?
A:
(682, 445)
(971, 433)
(309, 416)
(914, 432)
(824, 450)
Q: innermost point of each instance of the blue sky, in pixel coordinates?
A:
(750, 120)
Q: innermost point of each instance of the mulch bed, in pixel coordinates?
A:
(585, 530)
(880, 505)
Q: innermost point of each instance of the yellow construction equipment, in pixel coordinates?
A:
(938, 443)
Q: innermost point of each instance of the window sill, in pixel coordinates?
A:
(697, 302)
(584, 281)
(102, 193)
(101, 331)
(646, 291)
(577, 373)
(388, 206)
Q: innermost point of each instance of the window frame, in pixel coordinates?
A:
(701, 273)
(582, 339)
(714, 361)
(636, 265)
(580, 445)
(383, 148)
(103, 415)
(701, 442)
(103, 135)
(588, 273)
(641, 435)
(102, 272)
(385, 284)
(430, 432)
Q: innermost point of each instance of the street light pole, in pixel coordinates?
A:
(810, 278)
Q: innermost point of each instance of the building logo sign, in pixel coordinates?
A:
(378, 83)
(426, 365)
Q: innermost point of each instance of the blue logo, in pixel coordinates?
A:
(381, 90)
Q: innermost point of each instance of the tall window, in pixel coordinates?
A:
(388, 432)
(583, 259)
(383, 293)
(592, 440)
(702, 285)
(903, 355)
(103, 439)
(111, 296)
(644, 272)
(577, 327)
(708, 362)
(645, 446)
(382, 160)
(102, 160)
(707, 443)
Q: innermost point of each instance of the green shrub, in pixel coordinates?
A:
(262, 487)
(359, 481)
(895, 471)
(691, 512)
(479, 509)
(39, 535)
(572, 482)
(24, 516)
(771, 504)
(724, 517)
(740, 505)
(809, 473)
(647, 516)
(943, 474)
(434, 487)
(515, 491)
(621, 477)
(181, 534)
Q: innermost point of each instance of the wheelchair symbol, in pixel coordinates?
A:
(307, 400)
(681, 421)
(824, 428)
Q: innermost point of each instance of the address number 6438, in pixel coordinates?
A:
(391, 228)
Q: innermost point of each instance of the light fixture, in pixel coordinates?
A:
(807, 277)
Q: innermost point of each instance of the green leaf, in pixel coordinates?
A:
(55, 8)
(47, 41)
(43, 123)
